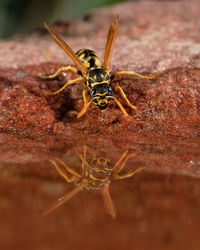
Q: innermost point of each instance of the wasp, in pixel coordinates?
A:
(96, 76)
(96, 174)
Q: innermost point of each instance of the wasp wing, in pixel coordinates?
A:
(112, 33)
(108, 201)
(67, 49)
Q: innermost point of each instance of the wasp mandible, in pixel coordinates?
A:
(96, 77)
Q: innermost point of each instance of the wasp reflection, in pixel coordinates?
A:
(95, 173)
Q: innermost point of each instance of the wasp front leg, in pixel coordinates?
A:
(62, 69)
(118, 88)
(86, 103)
(121, 107)
(132, 73)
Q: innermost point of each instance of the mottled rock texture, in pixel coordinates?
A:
(161, 37)
(158, 208)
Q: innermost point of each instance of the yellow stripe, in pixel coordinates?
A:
(99, 94)
(99, 67)
(99, 83)
(80, 52)
(81, 56)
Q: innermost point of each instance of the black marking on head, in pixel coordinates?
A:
(102, 102)
(102, 94)
(102, 107)
(101, 89)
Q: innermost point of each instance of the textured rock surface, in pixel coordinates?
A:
(158, 208)
(160, 40)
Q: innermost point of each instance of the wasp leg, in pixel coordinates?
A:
(84, 162)
(124, 96)
(74, 70)
(62, 173)
(84, 151)
(68, 83)
(129, 174)
(86, 103)
(132, 73)
(121, 162)
(64, 198)
(108, 201)
(70, 194)
(121, 107)
(70, 170)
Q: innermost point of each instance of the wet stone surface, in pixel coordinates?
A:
(158, 207)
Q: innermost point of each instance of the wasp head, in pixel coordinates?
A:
(101, 95)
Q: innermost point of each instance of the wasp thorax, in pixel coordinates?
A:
(97, 76)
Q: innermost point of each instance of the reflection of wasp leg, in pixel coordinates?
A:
(117, 74)
(108, 201)
(68, 83)
(129, 174)
(64, 198)
(121, 163)
(74, 176)
(84, 151)
(61, 69)
(124, 96)
(121, 159)
(83, 159)
(70, 194)
(86, 103)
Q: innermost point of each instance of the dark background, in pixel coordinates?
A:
(21, 16)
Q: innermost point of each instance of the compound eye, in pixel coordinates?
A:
(110, 89)
(93, 92)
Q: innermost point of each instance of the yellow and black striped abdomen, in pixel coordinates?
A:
(88, 57)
